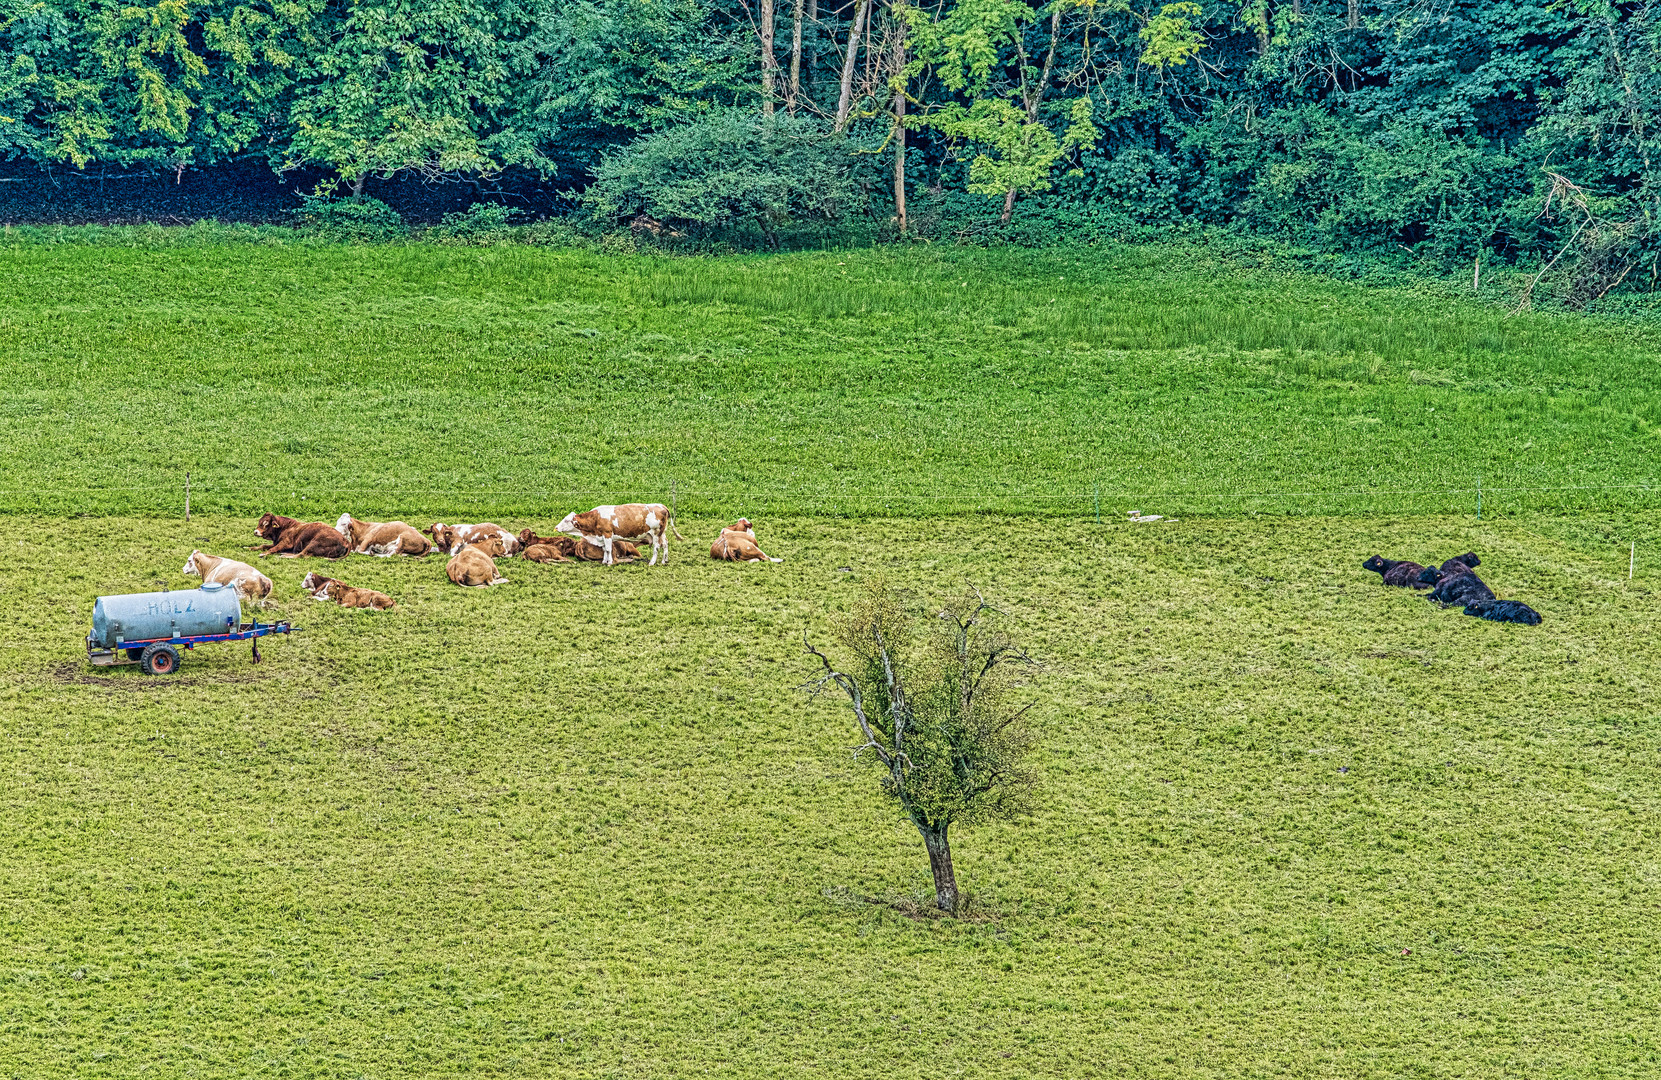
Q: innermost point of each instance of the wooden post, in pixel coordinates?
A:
(1476, 274)
(187, 496)
(1479, 498)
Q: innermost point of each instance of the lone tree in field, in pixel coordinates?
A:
(930, 702)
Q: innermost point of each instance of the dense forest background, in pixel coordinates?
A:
(1440, 131)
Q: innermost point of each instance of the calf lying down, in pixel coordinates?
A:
(547, 549)
(1396, 572)
(1504, 611)
(452, 538)
(1456, 583)
(737, 543)
(351, 596)
(474, 565)
(249, 583)
(382, 538)
(291, 539)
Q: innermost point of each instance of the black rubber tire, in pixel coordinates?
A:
(135, 654)
(159, 659)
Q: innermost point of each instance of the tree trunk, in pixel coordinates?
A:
(940, 861)
(769, 62)
(1355, 14)
(795, 90)
(812, 79)
(356, 185)
(845, 98)
(899, 135)
(1009, 207)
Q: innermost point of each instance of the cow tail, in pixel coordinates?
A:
(674, 530)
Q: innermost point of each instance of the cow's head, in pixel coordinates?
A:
(268, 526)
(348, 527)
(568, 524)
(444, 537)
(1428, 575)
(527, 538)
(1469, 559)
(743, 525)
(315, 582)
(1374, 563)
(190, 568)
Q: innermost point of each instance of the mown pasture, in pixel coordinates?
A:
(589, 824)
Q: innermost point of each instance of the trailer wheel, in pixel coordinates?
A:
(159, 659)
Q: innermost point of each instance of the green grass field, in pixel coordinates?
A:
(588, 823)
(426, 380)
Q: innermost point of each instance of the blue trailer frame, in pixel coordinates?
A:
(128, 652)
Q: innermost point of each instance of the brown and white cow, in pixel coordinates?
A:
(351, 596)
(249, 583)
(603, 526)
(473, 565)
(383, 538)
(737, 543)
(452, 538)
(564, 548)
(291, 539)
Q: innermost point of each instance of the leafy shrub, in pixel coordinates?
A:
(728, 169)
(481, 223)
(358, 218)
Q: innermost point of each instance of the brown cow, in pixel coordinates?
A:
(382, 538)
(737, 543)
(291, 539)
(473, 565)
(249, 583)
(327, 588)
(565, 548)
(605, 525)
(452, 538)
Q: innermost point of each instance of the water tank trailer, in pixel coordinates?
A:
(149, 629)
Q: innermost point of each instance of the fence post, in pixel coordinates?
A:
(674, 497)
(1479, 498)
(187, 495)
(1097, 486)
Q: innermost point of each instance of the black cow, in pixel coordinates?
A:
(1396, 571)
(1456, 583)
(1504, 611)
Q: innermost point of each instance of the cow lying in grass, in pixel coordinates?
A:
(547, 549)
(473, 566)
(737, 543)
(291, 539)
(249, 583)
(351, 596)
(1504, 611)
(452, 538)
(1396, 572)
(603, 526)
(1456, 583)
(383, 538)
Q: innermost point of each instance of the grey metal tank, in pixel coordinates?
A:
(211, 609)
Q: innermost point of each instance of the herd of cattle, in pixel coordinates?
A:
(605, 534)
(1454, 582)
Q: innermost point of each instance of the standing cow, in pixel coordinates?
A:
(632, 521)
